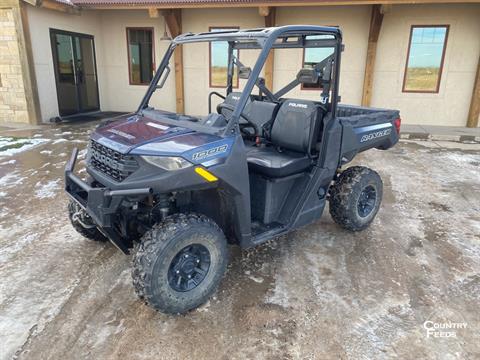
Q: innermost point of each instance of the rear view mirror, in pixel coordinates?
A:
(244, 72)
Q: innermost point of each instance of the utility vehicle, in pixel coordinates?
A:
(177, 188)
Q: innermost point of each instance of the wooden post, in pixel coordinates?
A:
(474, 112)
(26, 62)
(375, 26)
(173, 18)
(153, 13)
(269, 22)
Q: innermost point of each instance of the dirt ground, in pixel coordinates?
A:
(318, 293)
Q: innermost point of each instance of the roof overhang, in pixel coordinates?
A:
(179, 4)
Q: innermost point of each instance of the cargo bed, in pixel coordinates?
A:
(366, 128)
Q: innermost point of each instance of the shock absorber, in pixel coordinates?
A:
(163, 205)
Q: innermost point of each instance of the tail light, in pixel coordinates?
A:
(397, 123)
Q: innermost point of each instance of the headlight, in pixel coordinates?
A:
(167, 163)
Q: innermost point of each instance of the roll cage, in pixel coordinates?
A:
(265, 39)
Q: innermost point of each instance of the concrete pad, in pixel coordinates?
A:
(320, 292)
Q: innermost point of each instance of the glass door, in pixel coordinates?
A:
(75, 72)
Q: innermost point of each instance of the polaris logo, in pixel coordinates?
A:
(375, 135)
(297, 105)
(236, 97)
(210, 152)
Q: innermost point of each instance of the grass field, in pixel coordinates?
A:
(422, 79)
(219, 76)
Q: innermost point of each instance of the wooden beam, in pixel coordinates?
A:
(54, 5)
(263, 10)
(153, 13)
(375, 26)
(474, 112)
(268, 67)
(386, 8)
(173, 18)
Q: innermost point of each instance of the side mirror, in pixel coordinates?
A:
(165, 76)
(244, 72)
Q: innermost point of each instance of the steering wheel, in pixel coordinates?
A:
(249, 124)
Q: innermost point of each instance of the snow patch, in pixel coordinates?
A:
(46, 190)
(10, 180)
(280, 294)
(9, 162)
(10, 146)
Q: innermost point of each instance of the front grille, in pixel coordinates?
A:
(110, 162)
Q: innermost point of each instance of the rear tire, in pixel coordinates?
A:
(93, 233)
(356, 197)
(179, 263)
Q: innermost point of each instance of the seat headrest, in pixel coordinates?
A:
(233, 98)
(295, 125)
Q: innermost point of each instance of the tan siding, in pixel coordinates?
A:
(354, 22)
(450, 105)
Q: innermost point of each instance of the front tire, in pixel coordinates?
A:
(179, 263)
(356, 197)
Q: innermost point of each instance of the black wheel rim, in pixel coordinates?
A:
(189, 268)
(366, 201)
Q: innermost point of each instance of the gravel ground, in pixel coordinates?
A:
(320, 292)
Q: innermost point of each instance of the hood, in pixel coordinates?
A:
(131, 131)
(142, 135)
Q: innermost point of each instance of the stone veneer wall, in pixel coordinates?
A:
(13, 101)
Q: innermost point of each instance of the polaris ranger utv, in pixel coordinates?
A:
(177, 188)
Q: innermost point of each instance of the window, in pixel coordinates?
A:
(219, 61)
(425, 57)
(312, 56)
(140, 55)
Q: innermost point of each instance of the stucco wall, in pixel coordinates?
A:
(354, 22)
(196, 56)
(450, 106)
(118, 94)
(40, 21)
(109, 31)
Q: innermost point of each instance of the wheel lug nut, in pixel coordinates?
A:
(186, 256)
(198, 261)
(178, 271)
(189, 276)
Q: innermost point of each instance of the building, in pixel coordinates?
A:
(62, 57)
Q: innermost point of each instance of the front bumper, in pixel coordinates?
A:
(100, 203)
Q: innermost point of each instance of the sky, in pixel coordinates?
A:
(427, 47)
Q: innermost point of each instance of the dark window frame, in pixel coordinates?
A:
(302, 87)
(303, 65)
(442, 61)
(237, 83)
(151, 28)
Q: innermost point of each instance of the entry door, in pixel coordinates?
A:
(75, 72)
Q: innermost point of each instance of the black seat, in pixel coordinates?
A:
(259, 112)
(293, 137)
(269, 161)
(232, 100)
